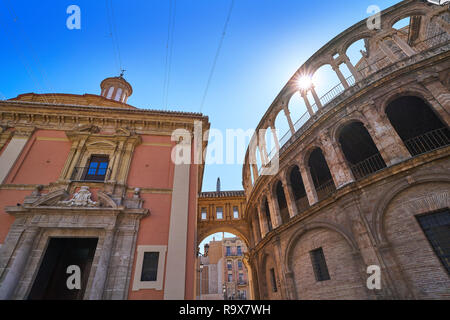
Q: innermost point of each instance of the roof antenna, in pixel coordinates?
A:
(122, 72)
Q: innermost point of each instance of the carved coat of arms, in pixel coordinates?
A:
(81, 198)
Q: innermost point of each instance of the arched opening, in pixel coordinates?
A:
(358, 54)
(221, 273)
(282, 203)
(298, 110)
(282, 125)
(327, 84)
(298, 189)
(321, 175)
(417, 125)
(269, 279)
(360, 151)
(266, 213)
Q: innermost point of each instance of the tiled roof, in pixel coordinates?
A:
(222, 194)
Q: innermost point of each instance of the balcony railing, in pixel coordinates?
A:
(325, 189)
(429, 141)
(368, 166)
(82, 174)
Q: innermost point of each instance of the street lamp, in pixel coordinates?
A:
(224, 289)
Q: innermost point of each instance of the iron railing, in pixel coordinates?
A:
(325, 189)
(428, 141)
(367, 70)
(82, 174)
(368, 166)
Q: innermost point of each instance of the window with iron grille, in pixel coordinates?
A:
(319, 265)
(273, 280)
(97, 168)
(150, 266)
(436, 227)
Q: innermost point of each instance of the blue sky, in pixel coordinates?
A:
(265, 43)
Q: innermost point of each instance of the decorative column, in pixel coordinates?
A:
(341, 77)
(403, 45)
(388, 142)
(274, 209)
(262, 221)
(13, 150)
(289, 119)
(308, 183)
(290, 199)
(352, 68)
(316, 97)
(308, 105)
(340, 171)
(432, 83)
(14, 274)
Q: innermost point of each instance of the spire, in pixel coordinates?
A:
(218, 185)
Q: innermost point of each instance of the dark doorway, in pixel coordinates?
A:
(298, 189)
(321, 175)
(360, 150)
(417, 125)
(51, 280)
(282, 203)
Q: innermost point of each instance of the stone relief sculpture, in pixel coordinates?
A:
(81, 198)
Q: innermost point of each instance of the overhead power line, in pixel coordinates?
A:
(216, 57)
(113, 34)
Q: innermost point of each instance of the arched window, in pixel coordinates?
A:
(267, 214)
(417, 125)
(321, 175)
(118, 94)
(282, 203)
(298, 189)
(110, 93)
(360, 150)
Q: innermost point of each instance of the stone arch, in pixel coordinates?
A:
(336, 129)
(352, 38)
(342, 259)
(382, 205)
(266, 262)
(407, 246)
(203, 234)
(293, 240)
(414, 90)
(390, 21)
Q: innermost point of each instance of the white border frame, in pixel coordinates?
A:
(158, 284)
